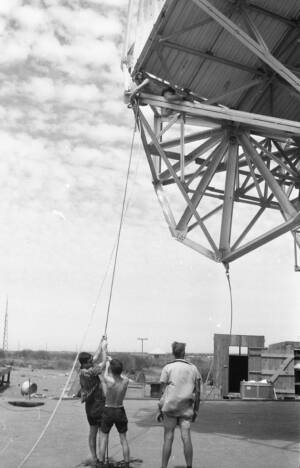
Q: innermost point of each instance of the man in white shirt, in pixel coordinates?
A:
(179, 404)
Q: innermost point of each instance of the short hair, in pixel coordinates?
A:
(84, 358)
(116, 366)
(178, 349)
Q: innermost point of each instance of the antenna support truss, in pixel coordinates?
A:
(202, 177)
(216, 89)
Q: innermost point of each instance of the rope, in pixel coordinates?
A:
(51, 417)
(71, 372)
(116, 249)
(226, 265)
(230, 293)
(119, 232)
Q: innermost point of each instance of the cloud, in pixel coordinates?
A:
(112, 3)
(8, 6)
(83, 155)
(85, 22)
(39, 88)
(59, 35)
(98, 133)
(59, 214)
(30, 17)
(113, 106)
(39, 173)
(14, 50)
(48, 48)
(92, 52)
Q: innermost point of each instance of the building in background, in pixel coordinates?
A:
(244, 367)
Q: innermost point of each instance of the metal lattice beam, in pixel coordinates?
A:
(230, 164)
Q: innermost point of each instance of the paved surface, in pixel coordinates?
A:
(228, 434)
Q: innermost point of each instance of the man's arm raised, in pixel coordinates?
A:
(102, 348)
(107, 378)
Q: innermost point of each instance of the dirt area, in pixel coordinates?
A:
(228, 434)
(49, 382)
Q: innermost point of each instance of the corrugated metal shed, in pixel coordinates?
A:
(190, 50)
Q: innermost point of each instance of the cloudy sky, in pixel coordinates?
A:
(65, 142)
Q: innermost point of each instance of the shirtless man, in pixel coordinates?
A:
(114, 412)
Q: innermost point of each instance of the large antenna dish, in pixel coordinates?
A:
(215, 91)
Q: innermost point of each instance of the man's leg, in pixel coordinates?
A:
(185, 429)
(169, 428)
(93, 441)
(102, 445)
(125, 446)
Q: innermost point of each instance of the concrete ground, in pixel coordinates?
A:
(228, 434)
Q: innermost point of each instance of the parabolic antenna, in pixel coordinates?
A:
(215, 89)
(28, 388)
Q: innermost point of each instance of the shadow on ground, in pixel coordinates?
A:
(134, 463)
(263, 420)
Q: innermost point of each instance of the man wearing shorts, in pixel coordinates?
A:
(114, 412)
(92, 393)
(179, 404)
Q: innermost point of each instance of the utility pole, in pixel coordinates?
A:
(142, 340)
(5, 331)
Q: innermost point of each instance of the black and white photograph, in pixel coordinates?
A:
(150, 233)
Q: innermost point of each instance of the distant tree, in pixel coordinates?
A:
(142, 362)
(26, 353)
(62, 364)
(41, 354)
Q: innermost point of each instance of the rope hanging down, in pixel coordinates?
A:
(117, 251)
(119, 232)
(28, 455)
(71, 371)
(226, 265)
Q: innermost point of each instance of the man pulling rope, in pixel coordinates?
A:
(92, 393)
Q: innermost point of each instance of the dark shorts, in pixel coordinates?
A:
(113, 416)
(94, 411)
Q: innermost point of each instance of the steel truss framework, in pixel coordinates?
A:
(239, 159)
